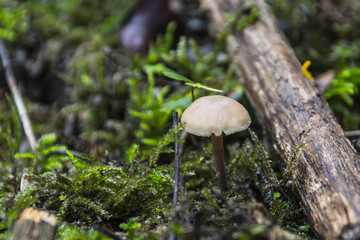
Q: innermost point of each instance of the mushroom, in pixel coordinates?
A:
(212, 115)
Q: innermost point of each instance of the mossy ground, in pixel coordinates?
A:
(104, 157)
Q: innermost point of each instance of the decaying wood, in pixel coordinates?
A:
(34, 224)
(293, 112)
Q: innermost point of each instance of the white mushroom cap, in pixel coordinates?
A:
(215, 114)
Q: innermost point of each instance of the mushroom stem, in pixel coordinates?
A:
(218, 151)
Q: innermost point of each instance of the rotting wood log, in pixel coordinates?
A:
(33, 224)
(292, 111)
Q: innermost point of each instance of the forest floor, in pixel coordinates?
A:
(101, 99)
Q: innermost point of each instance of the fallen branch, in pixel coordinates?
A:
(12, 84)
(291, 109)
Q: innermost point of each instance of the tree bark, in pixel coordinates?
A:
(34, 224)
(293, 112)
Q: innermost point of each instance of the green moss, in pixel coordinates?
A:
(72, 233)
(13, 22)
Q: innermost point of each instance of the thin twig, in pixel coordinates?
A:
(177, 160)
(180, 212)
(176, 169)
(355, 133)
(11, 81)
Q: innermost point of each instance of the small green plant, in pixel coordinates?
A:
(251, 15)
(10, 135)
(131, 226)
(12, 22)
(278, 206)
(153, 106)
(70, 232)
(345, 84)
(47, 155)
(344, 89)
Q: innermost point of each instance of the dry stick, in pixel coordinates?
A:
(11, 81)
(176, 169)
(177, 161)
(355, 133)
